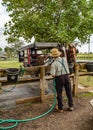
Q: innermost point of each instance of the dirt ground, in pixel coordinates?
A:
(81, 118)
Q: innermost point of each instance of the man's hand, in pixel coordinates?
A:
(53, 76)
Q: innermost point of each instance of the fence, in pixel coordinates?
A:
(43, 72)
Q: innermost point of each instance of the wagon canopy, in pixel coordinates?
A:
(39, 45)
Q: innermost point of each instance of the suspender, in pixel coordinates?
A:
(62, 63)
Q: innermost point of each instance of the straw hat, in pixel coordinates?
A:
(55, 52)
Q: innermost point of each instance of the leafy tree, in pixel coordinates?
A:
(50, 20)
(0, 49)
(12, 49)
(8, 51)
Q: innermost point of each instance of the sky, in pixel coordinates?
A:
(5, 18)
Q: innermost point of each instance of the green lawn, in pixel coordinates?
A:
(87, 81)
(10, 64)
(85, 56)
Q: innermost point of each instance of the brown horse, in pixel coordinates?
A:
(71, 52)
(40, 60)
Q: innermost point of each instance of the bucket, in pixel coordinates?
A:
(12, 74)
(89, 67)
(71, 65)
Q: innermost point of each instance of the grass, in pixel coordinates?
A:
(85, 56)
(86, 94)
(10, 64)
(87, 81)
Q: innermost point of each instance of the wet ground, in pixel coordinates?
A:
(28, 90)
(7, 99)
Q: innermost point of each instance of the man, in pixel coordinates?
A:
(60, 72)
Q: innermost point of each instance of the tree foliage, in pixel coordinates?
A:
(0, 49)
(50, 20)
(12, 49)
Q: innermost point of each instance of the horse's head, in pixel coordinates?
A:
(71, 53)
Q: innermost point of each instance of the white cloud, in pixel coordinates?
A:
(3, 15)
(3, 19)
(87, 47)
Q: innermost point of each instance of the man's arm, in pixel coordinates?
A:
(53, 70)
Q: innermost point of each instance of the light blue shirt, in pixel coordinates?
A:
(57, 68)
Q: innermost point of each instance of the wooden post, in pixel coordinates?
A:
(0, 72)
(0, 89)
(42, 79)
(76, 79)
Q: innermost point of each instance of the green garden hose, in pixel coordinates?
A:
(8, 90)
(16, 122)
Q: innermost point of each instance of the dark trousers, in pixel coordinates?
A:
(63, 81)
